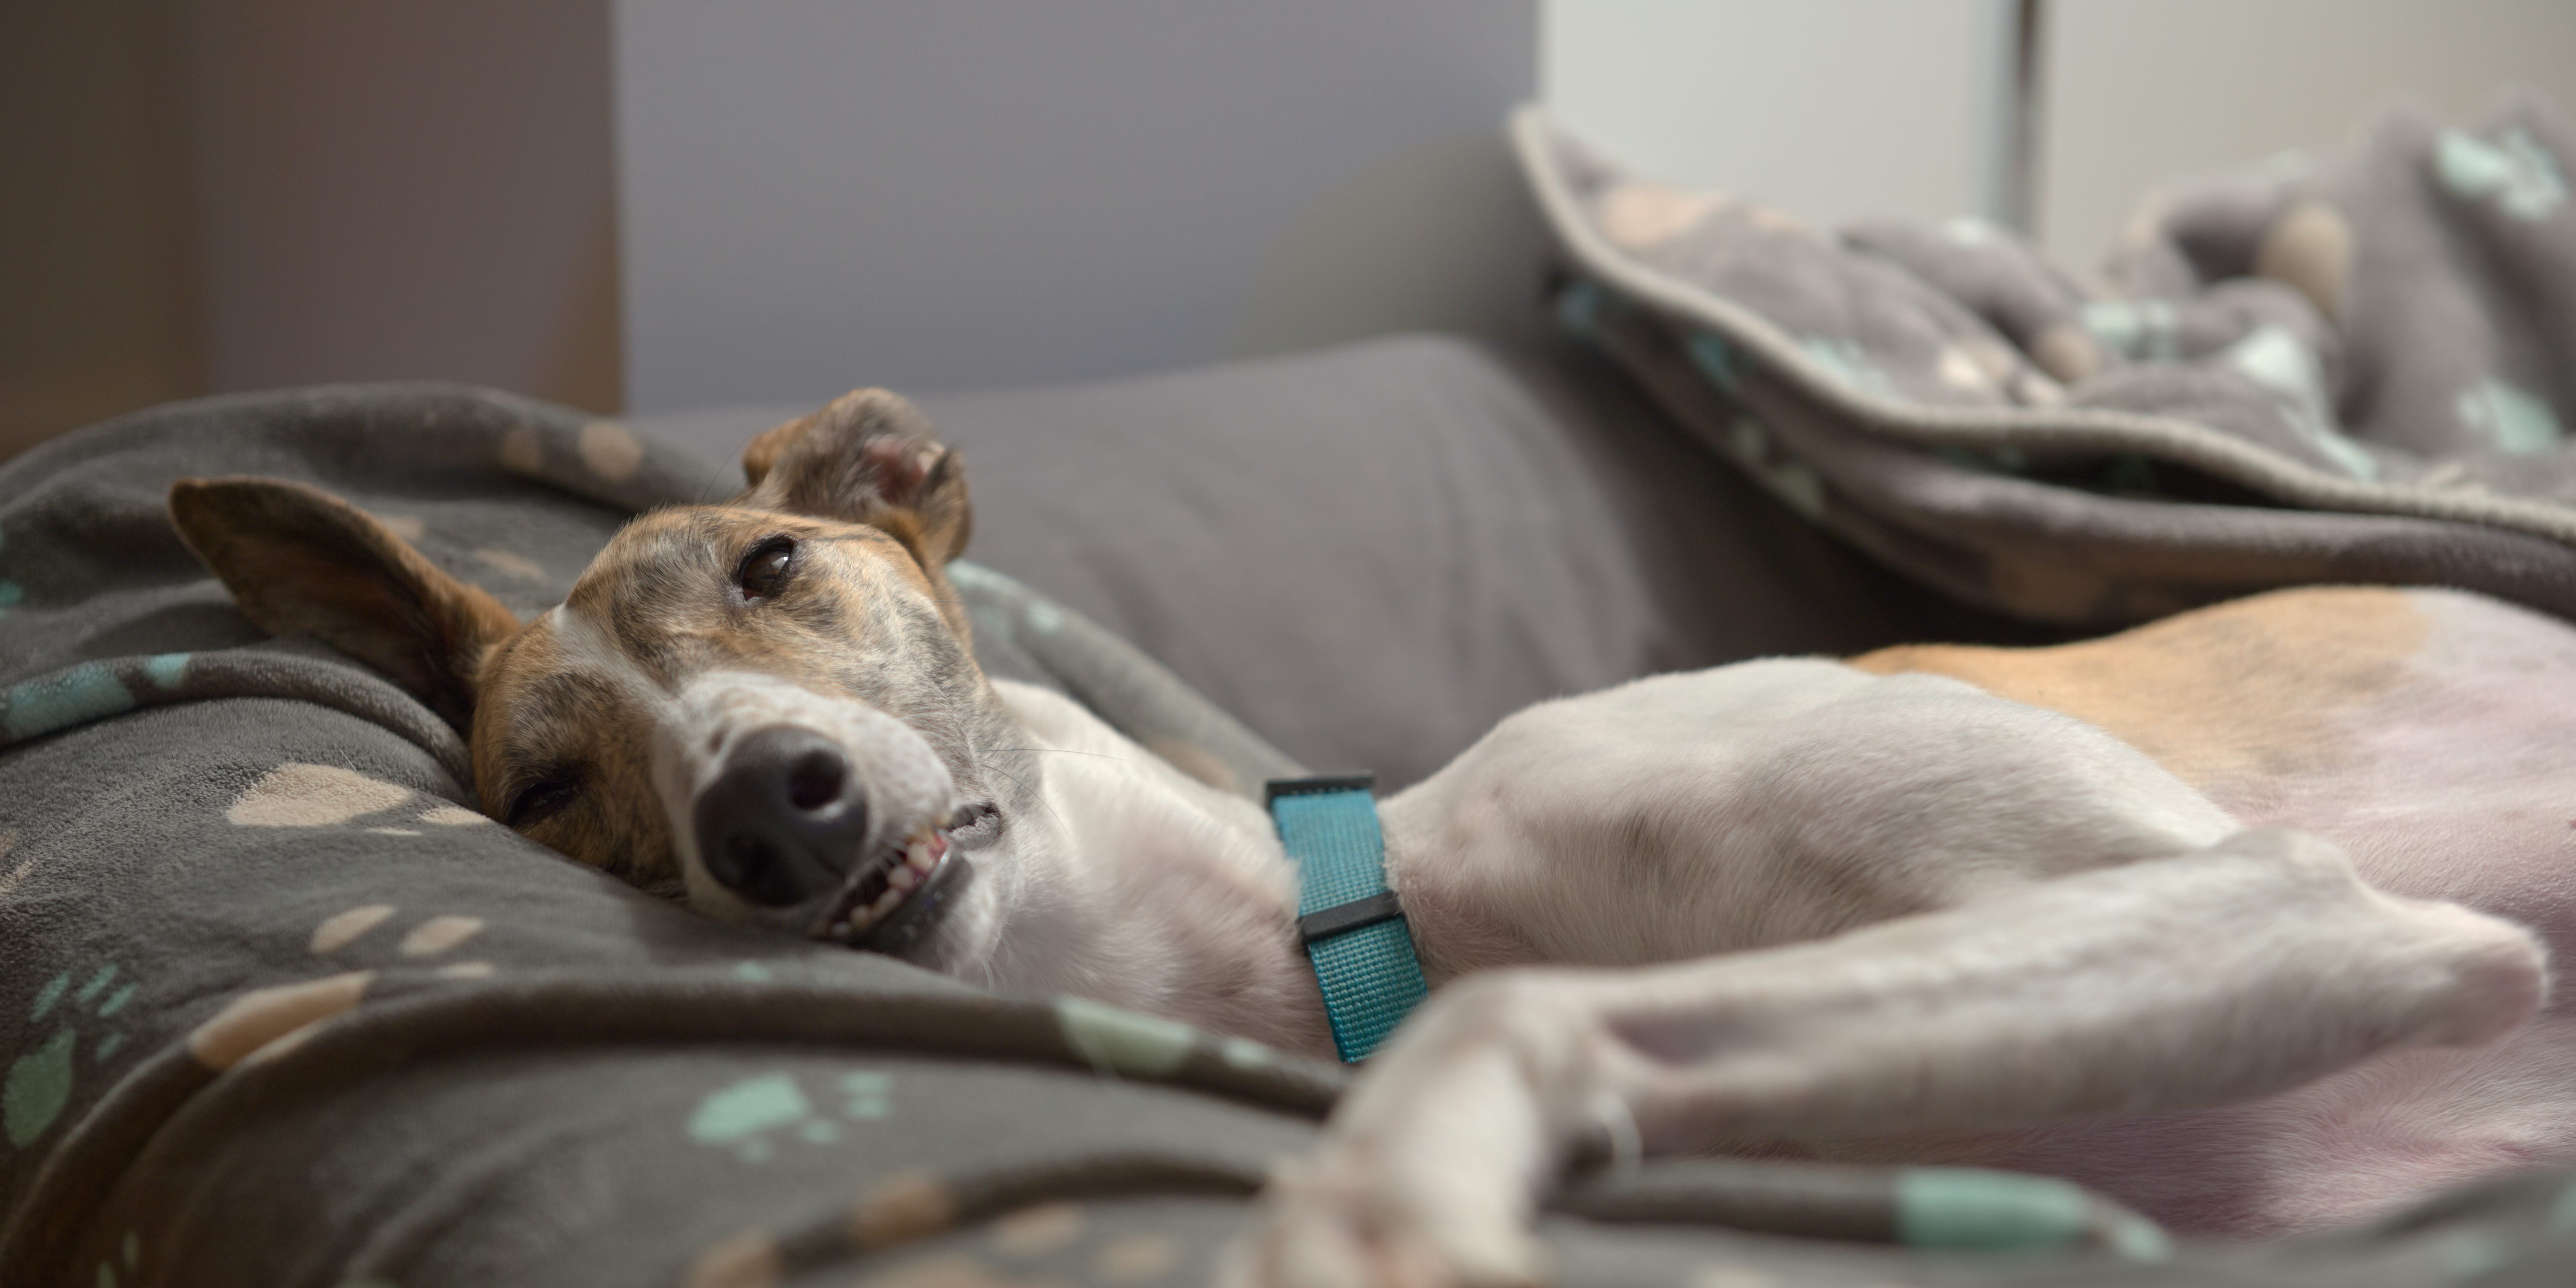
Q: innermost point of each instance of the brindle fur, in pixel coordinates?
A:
(878, 507)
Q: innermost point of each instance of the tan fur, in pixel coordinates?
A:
(2247, 689)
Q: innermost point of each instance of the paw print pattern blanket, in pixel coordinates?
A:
(279, 1007)
(2346, 366)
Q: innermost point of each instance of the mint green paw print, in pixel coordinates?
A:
(10, 591)
(39, 1083)
(130, 1252)
(1848, 363)
(750, 1116)
(2519, 424)
(2516, 170)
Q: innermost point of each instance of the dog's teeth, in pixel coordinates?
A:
(918, 859)
(923, 852)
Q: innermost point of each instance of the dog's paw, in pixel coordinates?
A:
(1340, 1220)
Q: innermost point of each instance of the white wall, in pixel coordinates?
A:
(2140, 91)
(1830, 109)
(1839, 108)
(818, 194)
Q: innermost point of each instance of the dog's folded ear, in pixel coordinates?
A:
(298, 559)
(870, 458)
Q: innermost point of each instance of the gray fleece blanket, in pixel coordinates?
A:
(279, 1008)
(2347, 366)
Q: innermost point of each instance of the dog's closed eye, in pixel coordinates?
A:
(765, 569)
(540, 800)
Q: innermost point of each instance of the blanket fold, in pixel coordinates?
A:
(2352, 365)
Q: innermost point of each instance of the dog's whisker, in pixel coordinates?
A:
(1071, 751)
(1033, 793)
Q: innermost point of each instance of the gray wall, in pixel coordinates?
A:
(818, 194)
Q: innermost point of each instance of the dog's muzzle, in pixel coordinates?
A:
(806, 812)
(785, 825)
(785, 819)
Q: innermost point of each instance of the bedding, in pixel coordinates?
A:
(277, 1007)
(2346, 366)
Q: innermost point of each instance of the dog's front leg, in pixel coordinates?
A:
(2234, 972)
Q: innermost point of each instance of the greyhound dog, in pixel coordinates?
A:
(2243, 917)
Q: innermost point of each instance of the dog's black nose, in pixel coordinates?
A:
(783, 822)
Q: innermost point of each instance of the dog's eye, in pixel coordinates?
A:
(765, 569)
(539, 800)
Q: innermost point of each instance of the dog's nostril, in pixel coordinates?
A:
(815, 779)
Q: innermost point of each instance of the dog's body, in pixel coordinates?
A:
(1855, 911)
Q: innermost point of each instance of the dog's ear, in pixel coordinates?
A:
(868, 458)
(300, 559)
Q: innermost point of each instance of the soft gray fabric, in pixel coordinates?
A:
(2351, 366)
(274, 1012)
(1372, 553)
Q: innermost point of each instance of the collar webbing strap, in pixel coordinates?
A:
(1352, 925)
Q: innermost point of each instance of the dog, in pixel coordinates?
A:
(2244, 917)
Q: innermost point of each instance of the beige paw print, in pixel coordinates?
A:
(1641, 216)
(515, 565)
(610, 451)
(301, 795)
(1050, 1228)
(296, 794)
(430, 938)
(265, 1023)
(438, 934)
(339, 929)
(523, 451)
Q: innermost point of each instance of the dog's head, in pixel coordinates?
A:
(768, 705)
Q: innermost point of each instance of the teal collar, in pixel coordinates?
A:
(1352, 925)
